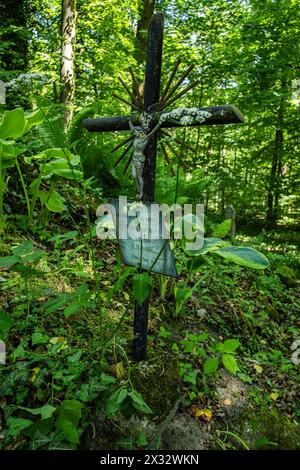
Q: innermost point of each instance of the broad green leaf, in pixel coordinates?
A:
(55, 202)
(121, 395)
(62, 168)
(70, 410)
(141, 287)
(211, 365)
(17, 425)
(230, 345)
(23, 248)
(45, 411)
(209, 244)
(32, 257)
(8, 261)
(138, 402)
(13, 124)
(69, 174)
(7, 163)
(62, 154)
(107, 379)
(244, 256)
(34, 119)
(230, 363)
(115, 401)
(181, 294)
(8, 150)
(68, 429)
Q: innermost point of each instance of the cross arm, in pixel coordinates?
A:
(227, 114)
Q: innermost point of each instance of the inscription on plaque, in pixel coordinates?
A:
(141, 233)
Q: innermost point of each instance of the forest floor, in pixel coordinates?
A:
(69, 382)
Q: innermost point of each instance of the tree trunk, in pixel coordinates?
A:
(275, 177)
(145, 11)
(67, 76)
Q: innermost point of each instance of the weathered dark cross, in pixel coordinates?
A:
(153, 104)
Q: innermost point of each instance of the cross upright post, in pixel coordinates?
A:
(151, 98)
(154, 107)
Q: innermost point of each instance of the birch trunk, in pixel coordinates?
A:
(67, 75)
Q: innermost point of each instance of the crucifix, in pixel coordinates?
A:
(151, 119)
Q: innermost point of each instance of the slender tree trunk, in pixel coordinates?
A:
(274, 184)
(278, 187)
(67, 75)
(275, 173)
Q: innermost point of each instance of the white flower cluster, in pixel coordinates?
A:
(185, 116)
(145, 120)
(27, 80)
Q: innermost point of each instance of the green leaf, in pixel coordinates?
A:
(39, 338)
(107, 379)
(71, 309)
(138, 402)
(115, 401)
(119, 283)
(57, 303)
(244, 256)
(68, 429)
(69, 414)
(8, 261)
(230, 345)
(62, 168)
(55, 202)
(26, 271)
(222, 229)
(211, 365)
(8, 151)
(13, 124)
(23, 249)
(181, 294)
(141, 287)
(34, 119)
(230, 363)
(209, 244)
(5, 322)
(17, 425)
(45, 411)
(190, 377)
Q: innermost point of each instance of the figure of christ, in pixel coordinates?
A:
(140, 141)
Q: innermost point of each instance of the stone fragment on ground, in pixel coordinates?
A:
(185, 433)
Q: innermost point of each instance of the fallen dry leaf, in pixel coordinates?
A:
(118, 370)
(258, 368)
(227, 402)
(205, 414)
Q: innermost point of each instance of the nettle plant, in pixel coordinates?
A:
(192, 262)
(202, 350)
(51, 162)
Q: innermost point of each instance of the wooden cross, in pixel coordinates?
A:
(217, 115)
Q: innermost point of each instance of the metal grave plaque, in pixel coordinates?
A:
(142, 236)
